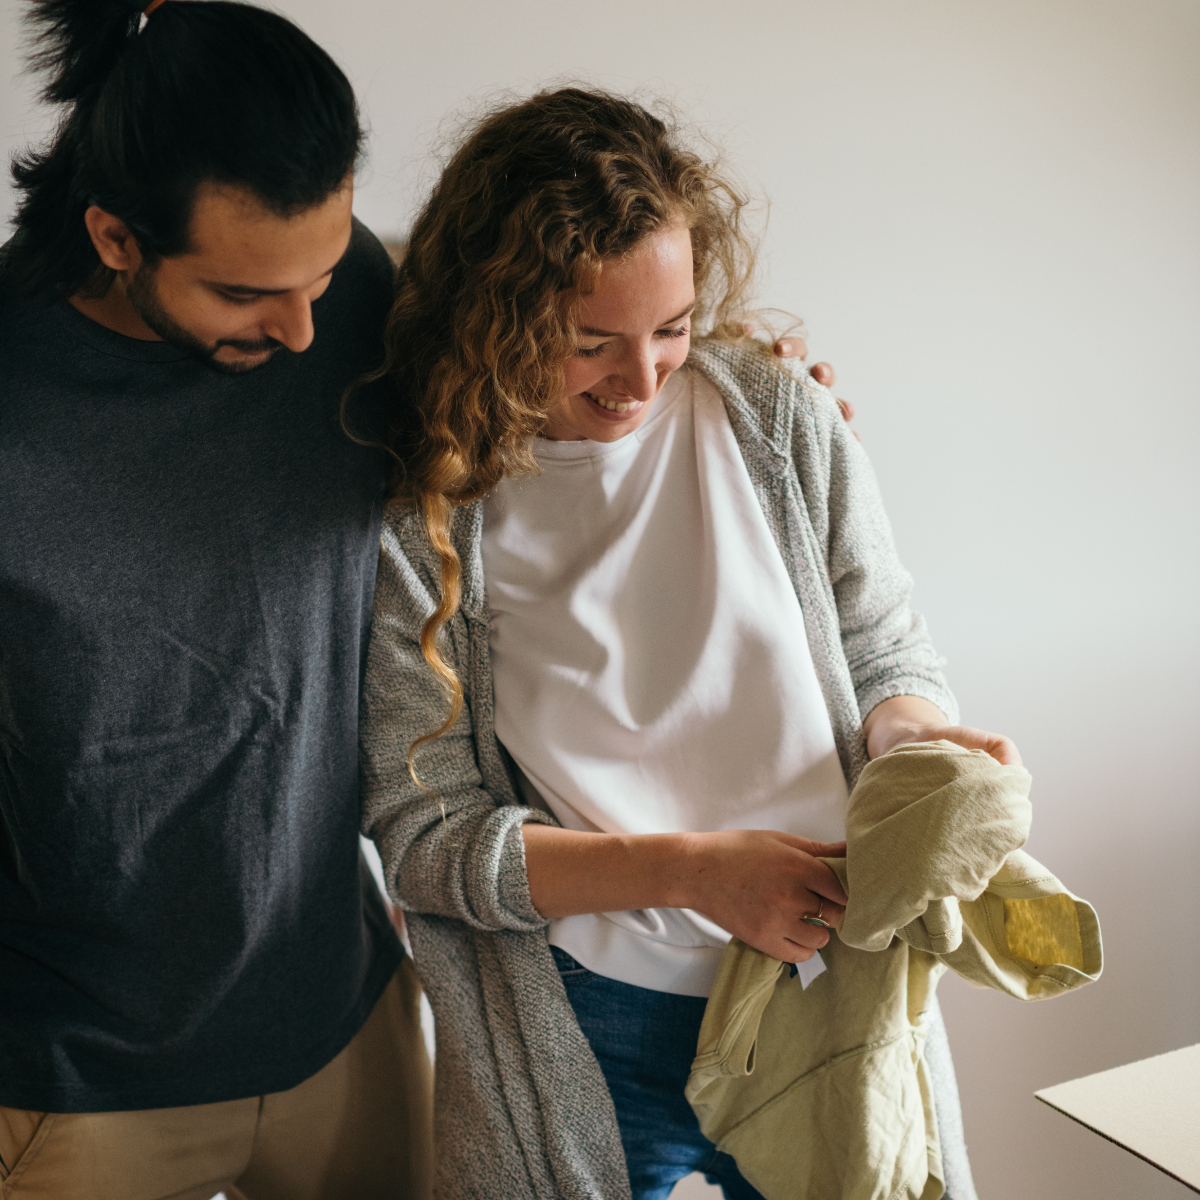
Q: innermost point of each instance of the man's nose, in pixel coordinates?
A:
(290, 322)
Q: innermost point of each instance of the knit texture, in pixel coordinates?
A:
(522, 1109)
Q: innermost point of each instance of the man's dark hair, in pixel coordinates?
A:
(205, 91)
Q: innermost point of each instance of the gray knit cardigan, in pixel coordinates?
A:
(522, 1110)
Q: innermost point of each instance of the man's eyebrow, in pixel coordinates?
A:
(239, 289)
(589, 331)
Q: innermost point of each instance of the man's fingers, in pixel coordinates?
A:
(791, 347)
(823, 373)
(847, 409)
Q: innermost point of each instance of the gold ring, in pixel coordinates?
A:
(816, 918)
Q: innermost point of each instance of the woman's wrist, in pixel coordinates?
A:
(686, 864)
(573, 872)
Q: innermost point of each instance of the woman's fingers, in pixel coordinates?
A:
(819, 879)
(822, 849)
(808, 939)
(760, 885)
(808, 935)
(828, 912)
(1003, 750)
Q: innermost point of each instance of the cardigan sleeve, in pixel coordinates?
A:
(450, 849)
(886, 644)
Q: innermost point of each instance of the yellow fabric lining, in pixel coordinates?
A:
(1044, 931)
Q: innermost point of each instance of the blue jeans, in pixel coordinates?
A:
(645, 1042)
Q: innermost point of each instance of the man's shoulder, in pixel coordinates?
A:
(12, 299)
(368, 267)
(351, 315)
(367, 250)
(360, 298)
(29, 325)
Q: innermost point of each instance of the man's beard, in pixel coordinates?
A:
(143, 296)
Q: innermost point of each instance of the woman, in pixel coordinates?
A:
(639, 624)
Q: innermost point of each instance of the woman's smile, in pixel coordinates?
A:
(614, 408)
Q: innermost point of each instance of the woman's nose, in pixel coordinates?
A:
(639, 374)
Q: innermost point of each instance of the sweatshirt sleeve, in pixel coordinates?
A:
(450, 848)
(886, 643)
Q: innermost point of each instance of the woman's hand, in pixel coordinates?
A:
(905, 719)
(756, 883)
(760, 885)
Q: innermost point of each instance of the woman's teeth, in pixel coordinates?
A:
(613, 405)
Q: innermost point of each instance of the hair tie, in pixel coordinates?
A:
(151, 7)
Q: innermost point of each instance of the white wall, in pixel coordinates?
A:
(988, 215)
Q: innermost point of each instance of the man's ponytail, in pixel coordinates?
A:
(208, 91)
(77, 43)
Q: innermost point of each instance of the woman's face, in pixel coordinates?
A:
(633, 331)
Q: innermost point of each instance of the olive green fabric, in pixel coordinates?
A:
(927, 824)
(821, 1093)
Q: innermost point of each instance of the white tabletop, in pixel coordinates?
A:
(1151, 1108)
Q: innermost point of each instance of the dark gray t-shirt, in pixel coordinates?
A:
(187, 562)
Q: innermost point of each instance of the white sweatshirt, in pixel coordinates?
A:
(651, 668)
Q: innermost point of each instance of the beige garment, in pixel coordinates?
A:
(928, 824)
(357, 1130)
(822, 1093)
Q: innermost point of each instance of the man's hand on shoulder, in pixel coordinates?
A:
(822, 372)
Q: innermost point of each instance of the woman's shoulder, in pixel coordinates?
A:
(768, 395)
(408, 558)
(404, 526)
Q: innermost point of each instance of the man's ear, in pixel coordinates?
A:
(113, 239)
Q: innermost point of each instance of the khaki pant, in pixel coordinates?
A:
(359, 1129)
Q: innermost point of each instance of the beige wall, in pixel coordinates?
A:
(988, 215)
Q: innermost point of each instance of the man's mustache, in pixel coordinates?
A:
(250, 347)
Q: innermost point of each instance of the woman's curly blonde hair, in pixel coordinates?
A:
(518, 226)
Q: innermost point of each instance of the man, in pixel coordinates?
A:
(200, 988)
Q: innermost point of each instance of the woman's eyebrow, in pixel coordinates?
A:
(589, 331)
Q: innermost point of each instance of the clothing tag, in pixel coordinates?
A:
(808, 971)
